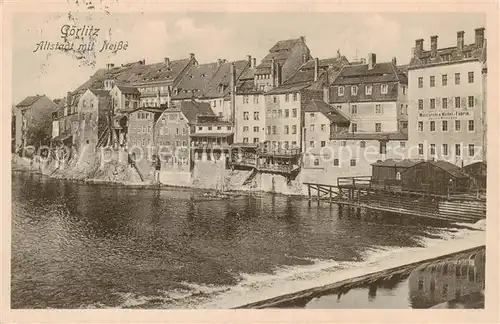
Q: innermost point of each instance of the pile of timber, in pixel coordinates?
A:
(343, 286)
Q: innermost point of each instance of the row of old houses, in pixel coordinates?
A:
(290, 112)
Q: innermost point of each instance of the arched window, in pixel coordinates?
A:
(398, 176)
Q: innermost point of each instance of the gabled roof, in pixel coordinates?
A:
(284, 45)
(330, 112)
(191, 109)
(99, 92)
(195, 80)
(279, 52)
(28, 101)
(406, 163)
(359, 73)
(222, 78)
(306, 72)
(128, 90)
(451, 168)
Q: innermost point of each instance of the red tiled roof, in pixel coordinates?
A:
(223, 77)
(306, 72)
(191, 109)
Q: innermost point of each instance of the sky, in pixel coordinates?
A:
(232, 36)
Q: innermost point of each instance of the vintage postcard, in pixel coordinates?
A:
(300, 162)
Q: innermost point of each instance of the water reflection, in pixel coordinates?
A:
(75, 245)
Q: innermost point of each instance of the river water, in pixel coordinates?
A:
(88, 246)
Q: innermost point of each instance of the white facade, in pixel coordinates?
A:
(250, 118)
(446, 119)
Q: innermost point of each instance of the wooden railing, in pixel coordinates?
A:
(279, 151)
(363, 181)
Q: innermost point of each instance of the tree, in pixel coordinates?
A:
(39, 132)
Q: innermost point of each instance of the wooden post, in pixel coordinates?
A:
(331, 195)
(318, 193)
(309, 191)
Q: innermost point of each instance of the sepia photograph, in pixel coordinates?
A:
(248, 160)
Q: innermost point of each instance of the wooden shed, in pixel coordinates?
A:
(389, 172)
(437, 177)
(477, 171)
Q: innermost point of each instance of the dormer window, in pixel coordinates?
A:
(340, 91)
(368, 89)
(354, 90)
(384, 89)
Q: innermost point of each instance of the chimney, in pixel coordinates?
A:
(304, 58)
(326, 94)
(219, 62)
(372, 60)
(69, 96)
(232, 83)
(303, 39)
(419, 47)
(191, 56)
(394, 61)
(249, 59)
(169, 99)
(316, 68)
(110, 66)
(460, 40)
(167, 61)
(254, 62)
(278, 74)
(479, 37)
(434, 45)
(273, 72)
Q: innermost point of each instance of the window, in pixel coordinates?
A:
(218, 128)
(420, 82)
(294, 112)
(432, 126)
(255, 99)
(312, 115)
(444, 80)
(445, 149)
(382, 147)
(457, 149)
(471, 125)
(294, 129)
(275, 99)
(323, 143)
(471, 149)
(353, 162)
(323, 127)
(287, 113)
(471, 77)
(354, 110)
(368, 90)
(184, 143)
(295, 96)
(256, 140)
(286, 129)
(354, 90)
(420, 104)
(384, 89)
(312, 127)
(245, 128)
(311, 143)
(404, 90)
(316, 161)
(471, 101)
(457, 125)
(245, 99)
(404, 125)
(343, 143)
(378, 127)
(274, 130)
(256, 129)
(228, 128)
(215, 103)
(294, 143)
(402, 144)
(444, 102)
(378, 109)
(362, 144)
(268, 130)
(287, 98)
(246, 115)
(336, 162)
(433, 149)
(421, 149)
(432, 81)
(245, 139)
(209, 127)
(340, 91)
(433, 103)
(457, 102)
(444, 125)
(354, 127)
(457, 78)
